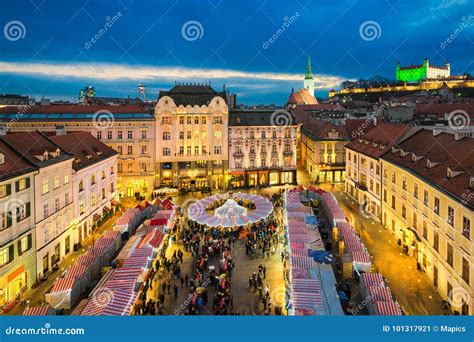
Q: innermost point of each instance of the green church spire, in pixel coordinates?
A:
(309, 74)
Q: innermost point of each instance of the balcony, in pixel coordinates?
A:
(238, 155)
(287, 153)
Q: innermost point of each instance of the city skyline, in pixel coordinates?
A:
(106, 47)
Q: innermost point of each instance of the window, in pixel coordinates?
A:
(166, 151)
(24, 244)
(384, 173)
(5, 190)
(188, 150)
(92, 179)
(415, 190)
(143, 167)
(6, 255)
(465, 270)
(377, 170)
(466, 227)
(93, 200)
(119, 135)
(196, 150)
(120, 149)
(166, 136)
(263, 135)
(130, 134)
(252, 135)
(196, 120)
(181, 135)
(204, 151)
(274, 135)
(119, 168)
(189, 120)
(203, 120)
(263, 163)
(217, 134)
(81, 185)
(129, 150)
(111, 170)
(217, 150)
(103, 174)
(385, 195)
(144, 149)
(451, 216)
(66, 179)
(143, 134)
(394, 178)
(103, 193)
(45, 186)
(449, 254)
(425, 230)
(66, 198)
(393, 202)
(404, 183)
(22, 211)
(129, 167)
(109, 135)
(181, 150)
(45, 211)
(436, 241)
(82, 208)
(188, 135)
(425, 197)
(56, 204)
(181, 120)
(436, 205)
(99, 135)
(404, 211)
(23, 184)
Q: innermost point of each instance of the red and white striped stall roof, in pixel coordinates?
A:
(136, 261)
(380, 294)
(103, 281)
(111, 234)
(371, 279)
(306, 285)
(298, 237)
(299, 252)
(308, 300)
(361, 257)
(304, 263)
(63, 284)
(38, 311)
(76, 271)
(387, 309)
(121, 304)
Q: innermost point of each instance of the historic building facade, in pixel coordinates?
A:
(192, 138)
(17, 224)
(416, 73)
(428, 203)
(262, 149)
(94, 180)
(363, 180)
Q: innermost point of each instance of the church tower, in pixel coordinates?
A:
(308, 78)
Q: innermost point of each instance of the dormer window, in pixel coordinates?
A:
(453, 173)
(2, 158)
(471, 183)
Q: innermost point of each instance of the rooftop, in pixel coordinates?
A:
(260, 117)
(85, 148)
(434, 158)
(192, 94)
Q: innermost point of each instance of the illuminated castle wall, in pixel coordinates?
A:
(416, 73)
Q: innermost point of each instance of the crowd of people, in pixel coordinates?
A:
(212, 266)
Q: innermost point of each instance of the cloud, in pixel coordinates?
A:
(115, 72)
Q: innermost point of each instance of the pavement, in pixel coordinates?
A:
(412, 288)
(245, 301)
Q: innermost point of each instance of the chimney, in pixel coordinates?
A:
(60, 130)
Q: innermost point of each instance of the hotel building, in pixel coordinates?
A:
(262, 152)
(192, 138)
(427, 203)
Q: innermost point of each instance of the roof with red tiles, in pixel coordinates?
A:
(72, 108)
(379, 140)
(13, 163)
(85, 148)
(36, 148)
(444, 108)
(452, 162)
(302, 97)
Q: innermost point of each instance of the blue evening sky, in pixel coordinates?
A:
(257, 48)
